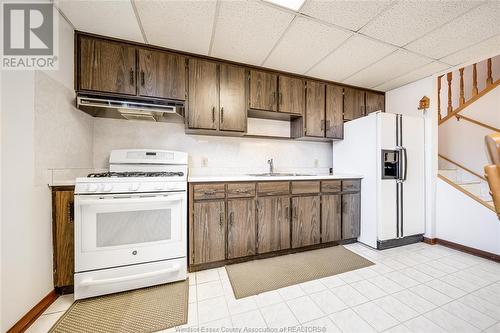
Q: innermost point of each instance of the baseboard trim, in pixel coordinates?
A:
(32, 315)
(463, 248)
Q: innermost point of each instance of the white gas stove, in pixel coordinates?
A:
(131, 223)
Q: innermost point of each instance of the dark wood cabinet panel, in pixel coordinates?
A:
(209, 232)
(263, 91)
(240, 190)
(106, 66)
(63, 237)
(273, 224)
(351, 213)
(241, 228)
(374, 102)
(315, 109)
(354, 103)
(233, 112)
(291, 95)
(162, 74)
(203, 94)
(331, 225)
(305, 187)
(334, 112)
(305, 221)
(273, 188)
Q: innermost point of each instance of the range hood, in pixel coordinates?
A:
(131, 109)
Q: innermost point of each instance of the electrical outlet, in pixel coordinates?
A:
(204, 162)
(316, 163)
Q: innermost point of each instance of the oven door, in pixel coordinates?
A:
(118, 230)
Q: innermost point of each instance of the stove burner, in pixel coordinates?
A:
(135, 174)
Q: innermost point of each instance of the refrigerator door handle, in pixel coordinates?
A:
(405, 155)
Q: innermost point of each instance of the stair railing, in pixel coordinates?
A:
(492, 172)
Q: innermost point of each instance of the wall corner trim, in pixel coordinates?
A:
(30, 317)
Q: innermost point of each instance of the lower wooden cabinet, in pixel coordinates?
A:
(273, 224)
(351, 213)
(305, 221)
(209, 232)
(241, 228)
(331, 218)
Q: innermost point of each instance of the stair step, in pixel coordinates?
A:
(470, 182)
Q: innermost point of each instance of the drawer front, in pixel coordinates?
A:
(351, 185)
(273, 188)
(209, 191)
(240, 190)
(331, 186)
(304, 187)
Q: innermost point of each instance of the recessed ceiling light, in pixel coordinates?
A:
(290, 4)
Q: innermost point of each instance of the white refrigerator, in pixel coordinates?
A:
(388, 150)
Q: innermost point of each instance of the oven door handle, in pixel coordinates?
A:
(129, 200)
(92, 282)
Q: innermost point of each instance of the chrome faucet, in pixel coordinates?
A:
(271, 165)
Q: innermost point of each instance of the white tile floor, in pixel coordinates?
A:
(415, 288)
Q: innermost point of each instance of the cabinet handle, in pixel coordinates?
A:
(322, 124)
(142, 78)
(281, 98)
(209, 192)
(327, 125)
(131, 76)
(287, 213)
(231, 218)
(274, 96)
(222, 114)
(221, 217)
(295, 212)
(71, 212)
(213, 114)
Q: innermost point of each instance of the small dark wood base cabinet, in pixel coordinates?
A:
(239, 221)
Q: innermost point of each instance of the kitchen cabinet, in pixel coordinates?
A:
(334, 110)
(241, 228)
(291, 95)
(63, 236)
(273, 224)
(203, 109)
(354, 103)
(233, 112)
(209, 232)
(331, 214)
(162, 74)
(263, 89)
(315, 109)
(305, 221)
(351, 213)
(374, 102)
(106, 66)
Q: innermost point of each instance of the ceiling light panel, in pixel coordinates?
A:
(94, 17)
(180, 25)
(390, 67)
(409, 20)
(289, 4)
(355, 54)
(420, 73)
(348, 14)
(238, 37)
(303, 45)
(478, 24)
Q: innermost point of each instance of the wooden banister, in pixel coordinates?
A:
(489, 79)
(491, 128)
(492, 172)
(474, 80)
(439, 96)
(464, 191)
(449, 77)
(461, 100)
(461, 167)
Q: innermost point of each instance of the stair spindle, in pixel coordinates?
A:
(439, 96)
(449, 77)
(461, 100)
(489, 79)
(474, 80)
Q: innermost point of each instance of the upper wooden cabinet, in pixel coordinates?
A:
(354, 103)
(263, 91)
(291, 95)
(203, 109)
(334, 127)
(315, 109)
(233, 112)
(106, 66)
(162, 74)
(374, 102)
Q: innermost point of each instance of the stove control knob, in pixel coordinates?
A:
(134, 187)
(106, 187)
(92, 187)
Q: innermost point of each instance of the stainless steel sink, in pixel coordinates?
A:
(278, 174)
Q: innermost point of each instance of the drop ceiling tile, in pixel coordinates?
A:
(303, 45)
(390, 67)
(409, 20)
(238, 37)
(94, 17)
(352, 56)
(181, 25)
(474, 26)
(348, 14)
(420, 73)
(487, 48)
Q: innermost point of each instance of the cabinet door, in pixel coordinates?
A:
(374, 102)
(315, 109)
(305, 221)
(331, 218)
(354, 103)
(273, 224)
(106, 66)
(241, 228)
(334, 112)
(291, 95)
(263, 91)
(351, 213)
(209, 232)
(162, 74)
(203, 110)
(63, 235)
(233, 112)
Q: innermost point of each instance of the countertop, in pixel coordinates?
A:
(248, 178)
